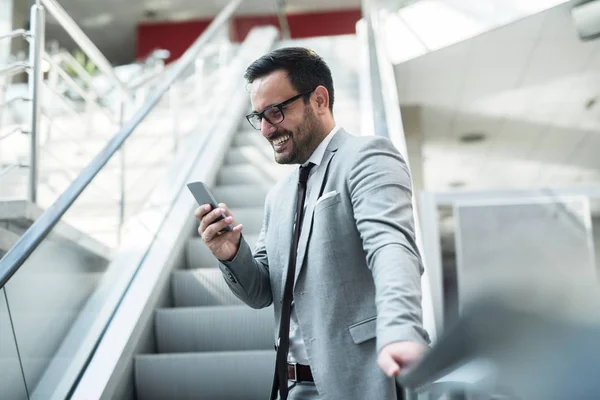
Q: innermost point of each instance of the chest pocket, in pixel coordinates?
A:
(327, 201)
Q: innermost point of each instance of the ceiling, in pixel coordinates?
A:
(532, 88)
(111, 23)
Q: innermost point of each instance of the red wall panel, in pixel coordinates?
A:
(240, 26)
(178, 36)
(324, 24)
(173, 36)
(303, 25)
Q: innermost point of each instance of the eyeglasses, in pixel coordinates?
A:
(273, 114)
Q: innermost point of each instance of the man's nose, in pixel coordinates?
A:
(266, 128)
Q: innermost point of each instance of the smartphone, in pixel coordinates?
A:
(203, 195)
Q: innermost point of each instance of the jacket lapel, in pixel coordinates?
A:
(317, 181)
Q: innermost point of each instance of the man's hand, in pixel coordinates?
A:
(224, 245)
(395, 356)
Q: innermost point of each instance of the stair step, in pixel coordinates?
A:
(201, 287)
(242, 174)
(254, 139)
(246, 155)
(199, 256)
(241, 195)
(250, 217)
(243, 375)
(217, 328)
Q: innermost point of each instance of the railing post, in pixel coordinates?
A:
(283, 21)
(174, 94)
(3, 86)
(199, 79)
(122, 166)
(36, 76)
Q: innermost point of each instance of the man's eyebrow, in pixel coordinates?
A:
(269, 106)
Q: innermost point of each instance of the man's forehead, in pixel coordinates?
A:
(270, 89)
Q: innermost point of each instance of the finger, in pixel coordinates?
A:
(224, 207)
(208, 219)
(387, 364)
(202, 211)
(213, 232)
(227, 211)
(237, 228)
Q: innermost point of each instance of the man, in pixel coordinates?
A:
(355, 273)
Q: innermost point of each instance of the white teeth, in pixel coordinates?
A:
(281, 140)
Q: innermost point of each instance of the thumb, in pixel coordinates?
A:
(388, 364)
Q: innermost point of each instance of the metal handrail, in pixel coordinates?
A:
(12, 101)
(463, 341)
(84, 42)
(89, 95)
(15, 130)
(38, 231)
(68, 58)
(17, 33)
(15, 69)
(7, 168)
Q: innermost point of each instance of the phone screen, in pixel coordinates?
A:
(203, 195)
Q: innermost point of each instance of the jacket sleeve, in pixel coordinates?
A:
(248, 273)
(380, 189)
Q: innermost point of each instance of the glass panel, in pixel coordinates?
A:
(64, 294)
(47, 294)
(539, 244)
(12, 385)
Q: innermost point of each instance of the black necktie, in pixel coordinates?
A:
(281, 374)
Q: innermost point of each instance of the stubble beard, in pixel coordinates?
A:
(304, 140)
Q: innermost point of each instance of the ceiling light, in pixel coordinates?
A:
(159, 4)
(184, 15)
(97, 21)
(473, 137)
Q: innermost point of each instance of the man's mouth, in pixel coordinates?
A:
(281, 140)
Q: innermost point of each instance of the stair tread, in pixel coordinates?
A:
(214, 328)
(245, 196)
(231, 375)
(201, 287)
(205, 354)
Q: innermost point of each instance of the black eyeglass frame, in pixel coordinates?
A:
(279, 107)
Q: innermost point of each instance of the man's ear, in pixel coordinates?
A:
(321, 99)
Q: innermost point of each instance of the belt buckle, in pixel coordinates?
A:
(295, 379)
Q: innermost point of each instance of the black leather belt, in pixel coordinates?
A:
(299, 373)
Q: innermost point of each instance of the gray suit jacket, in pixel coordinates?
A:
(358, 268)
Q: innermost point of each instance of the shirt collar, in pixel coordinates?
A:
(317, 155)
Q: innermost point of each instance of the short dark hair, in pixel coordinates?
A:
(306, 69)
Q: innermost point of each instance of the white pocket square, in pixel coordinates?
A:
(326, 196)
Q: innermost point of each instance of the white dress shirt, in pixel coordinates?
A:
(297, 351)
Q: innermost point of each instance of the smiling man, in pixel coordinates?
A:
(336, 255)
